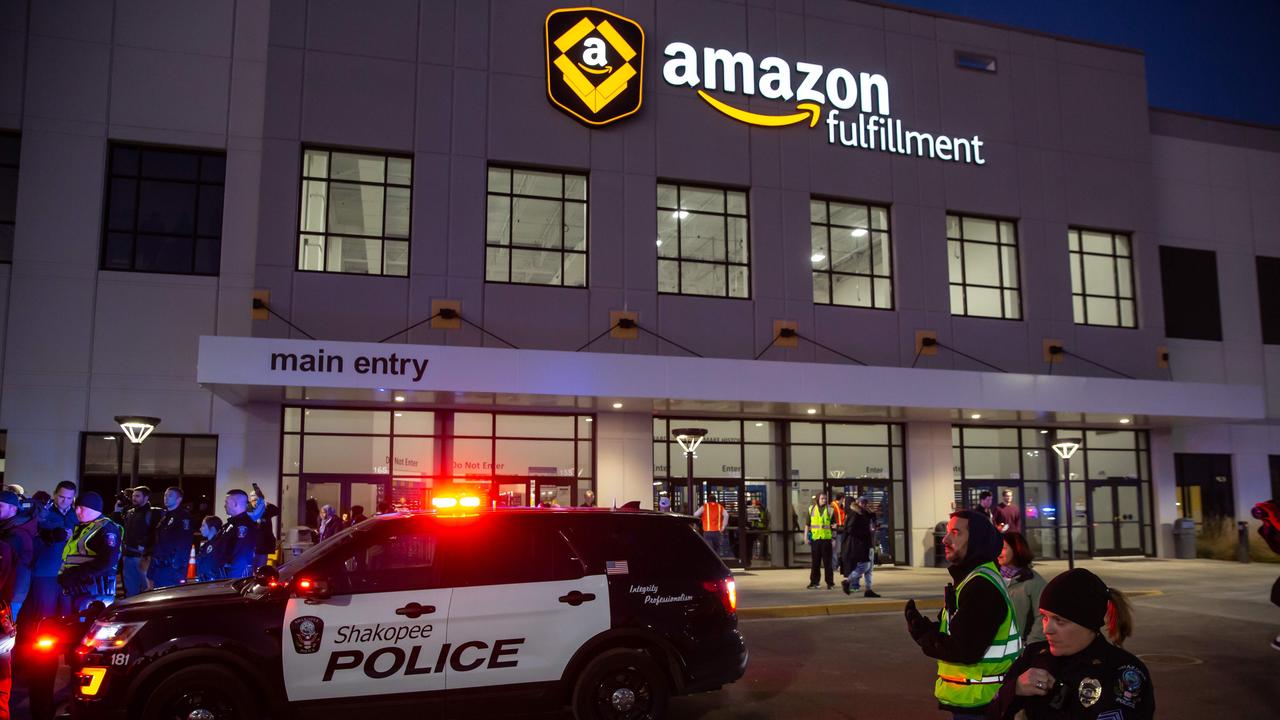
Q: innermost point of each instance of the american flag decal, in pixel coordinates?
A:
(616, 567)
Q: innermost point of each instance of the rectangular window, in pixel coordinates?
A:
(9, 147)
(1189, 280)
(354, 215)
(851, 255)
(1269, 298)
(1102, 278)
(975, 61)
(189, 462)
(536, 233)
(164, 210)
(702, 241)
(983, 260)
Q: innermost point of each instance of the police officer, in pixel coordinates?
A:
(90, 557)
(234, 546)
(171, 551)
(139, 523)
(206, 566)
(1076, 673)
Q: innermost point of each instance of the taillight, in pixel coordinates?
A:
(46, 643)
(727, 589)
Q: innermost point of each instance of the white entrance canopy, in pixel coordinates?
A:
(241, 369)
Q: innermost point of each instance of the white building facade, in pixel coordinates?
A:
(373, 256)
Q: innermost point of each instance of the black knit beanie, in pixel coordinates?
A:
(1079, 596)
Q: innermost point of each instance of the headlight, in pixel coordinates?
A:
(107, 636)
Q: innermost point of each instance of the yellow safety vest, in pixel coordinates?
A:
(975, 685)
(820, 523)
(77, 552)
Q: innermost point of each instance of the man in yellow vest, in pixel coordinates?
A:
(977, 639)
(821, 523)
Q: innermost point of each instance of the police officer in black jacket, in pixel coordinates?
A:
(1077, 674)
(234, 546)
(171, 552)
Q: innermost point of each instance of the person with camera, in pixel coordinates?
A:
(171, 550)
(55, 522)
(18, 530)
(139, 522)
(263, 514)
(1079, 671)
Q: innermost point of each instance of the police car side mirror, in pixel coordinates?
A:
(312, 590)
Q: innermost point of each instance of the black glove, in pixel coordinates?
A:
(55, 535)
(917, 625)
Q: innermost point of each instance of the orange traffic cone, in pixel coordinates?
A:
(191, 565)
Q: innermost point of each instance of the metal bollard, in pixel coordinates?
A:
(1242, 549)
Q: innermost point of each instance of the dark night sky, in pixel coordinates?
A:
(1219, 58)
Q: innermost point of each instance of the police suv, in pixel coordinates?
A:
(488, 612)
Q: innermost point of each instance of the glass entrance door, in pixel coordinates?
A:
(1115, 509)
(733, 540)
(344, 492)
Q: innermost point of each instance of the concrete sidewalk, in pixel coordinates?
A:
(782, 593)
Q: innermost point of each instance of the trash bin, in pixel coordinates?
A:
(939, 552)
(296, 541)
(1184, 538)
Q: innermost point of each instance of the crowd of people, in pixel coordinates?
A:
(60, 552)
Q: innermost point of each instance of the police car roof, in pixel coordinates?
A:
(451, 512)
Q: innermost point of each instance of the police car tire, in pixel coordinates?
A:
(223, 685)
(621, 667)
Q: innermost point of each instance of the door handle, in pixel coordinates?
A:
(413, 610)
(576, 598)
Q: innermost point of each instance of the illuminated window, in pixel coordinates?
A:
(702, 241)
(164, 210)
(354, 215)
(536, 232)
(850, 254)
(9, 146)
(983, 260)
(1102, 278)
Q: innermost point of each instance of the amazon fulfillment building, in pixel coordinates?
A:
(381, 253)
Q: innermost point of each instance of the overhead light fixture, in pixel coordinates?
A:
(399, 398)
(399, 414)
(759, 424)
(1066, 447)
(818, 257)
(859, 232)
(659, 242)
(976, 416)
(589, 419)
(137, 427)
(1044, 432)
(1124, 421)
(812, 411)
(617, 406)
(680, 214)
(108, 437)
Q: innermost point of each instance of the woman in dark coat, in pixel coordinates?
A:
(857, 559)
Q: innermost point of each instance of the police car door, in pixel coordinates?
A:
(522, 605)
(383, 627)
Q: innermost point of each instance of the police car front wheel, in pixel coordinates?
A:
(201, 692)
(621, 684)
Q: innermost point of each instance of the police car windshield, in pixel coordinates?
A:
(294, 565)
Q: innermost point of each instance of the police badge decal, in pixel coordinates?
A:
(1090, 691)
(306, 632)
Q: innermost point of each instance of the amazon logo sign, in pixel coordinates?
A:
(595, 71)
